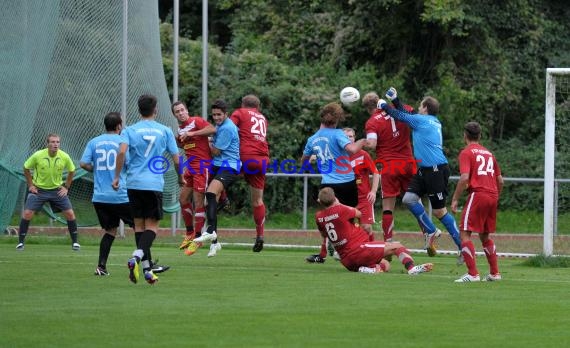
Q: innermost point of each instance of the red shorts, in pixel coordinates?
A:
(367, 211)
(197, 181)
(253, 170)
(395, 177)
(368, 255)
(480, 213)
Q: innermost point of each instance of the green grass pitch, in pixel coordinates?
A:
(50, 298)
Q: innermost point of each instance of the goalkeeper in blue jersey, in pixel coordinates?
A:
(433, 172)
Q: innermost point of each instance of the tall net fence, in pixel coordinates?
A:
(562, 164)
(60, 72)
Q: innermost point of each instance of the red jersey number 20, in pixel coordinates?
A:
(258, 126)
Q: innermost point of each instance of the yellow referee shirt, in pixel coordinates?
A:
(48, 171)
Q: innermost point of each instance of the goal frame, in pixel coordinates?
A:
(549, 149)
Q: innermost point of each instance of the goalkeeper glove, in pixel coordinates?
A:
(391, 94)
(381, 104)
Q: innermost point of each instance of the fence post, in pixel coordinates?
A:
(305, 194)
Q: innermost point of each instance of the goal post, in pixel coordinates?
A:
(551, 102)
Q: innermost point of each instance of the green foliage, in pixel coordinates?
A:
(520, 158)
(484, 61)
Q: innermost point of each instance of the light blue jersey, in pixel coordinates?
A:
(101, 152)
(148, 140)
(226, 139)
(333, 160)
(426, 137)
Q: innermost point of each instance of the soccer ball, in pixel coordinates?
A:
(349, 96)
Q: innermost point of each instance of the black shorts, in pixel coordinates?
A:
(227, 176)
(431, 181)
(145, 204)
(346, 192)
(110, 214)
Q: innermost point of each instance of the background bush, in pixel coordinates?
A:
(483, 60)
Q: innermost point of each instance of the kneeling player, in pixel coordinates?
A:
(357, 252)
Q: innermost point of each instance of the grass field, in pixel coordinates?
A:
(508, 221)
(272, 299)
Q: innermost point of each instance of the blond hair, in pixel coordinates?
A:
(369, 101)
(250, 101)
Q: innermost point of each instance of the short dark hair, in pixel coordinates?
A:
(220, 104)
(147, 104)
(472, 131)
(112, 120)
(432, 105)
(176, 103)
(250, 101)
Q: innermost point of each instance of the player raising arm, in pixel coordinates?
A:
(390, 139)
(433, 172)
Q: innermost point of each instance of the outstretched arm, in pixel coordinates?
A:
(412, 120)
(392, 96)
(353, 148)
(206, 131)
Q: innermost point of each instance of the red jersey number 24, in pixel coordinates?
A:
(486, 166)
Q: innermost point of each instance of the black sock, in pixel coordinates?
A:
(105, 249)
(72, 228)
(138, 239)
(147, 238)
(148, 256)
(23, 230)
(212, 210)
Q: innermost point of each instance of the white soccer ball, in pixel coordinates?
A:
(349, 96)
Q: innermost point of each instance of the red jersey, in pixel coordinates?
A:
(392, 137)
(361, 162)
(252, 129)
(196, 148)
(482, 168)
(336, 222)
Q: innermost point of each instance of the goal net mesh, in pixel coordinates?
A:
(60, 72)
(561, 243)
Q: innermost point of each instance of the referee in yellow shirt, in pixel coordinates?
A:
(44, 176)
